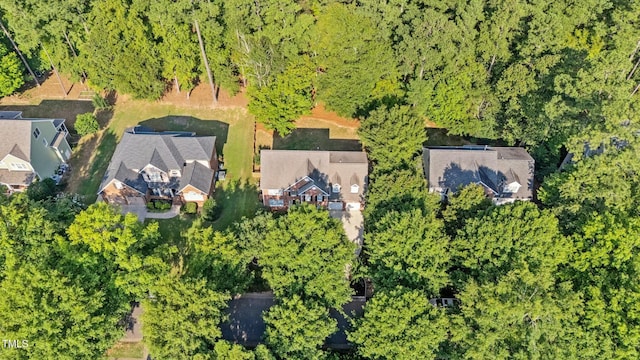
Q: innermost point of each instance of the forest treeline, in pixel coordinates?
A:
(536, 73)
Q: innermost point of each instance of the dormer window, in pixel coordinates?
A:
(174, 173)
(335, 188)
(512, 188)
(36, 133)
(355, 189)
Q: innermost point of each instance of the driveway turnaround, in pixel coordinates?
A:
(139, 210)
(173, 212)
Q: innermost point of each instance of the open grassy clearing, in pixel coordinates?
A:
(126, 350)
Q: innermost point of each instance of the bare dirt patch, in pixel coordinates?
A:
(201, 97)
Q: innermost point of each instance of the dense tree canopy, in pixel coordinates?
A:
(296, 330)
(58, 295)
(542, 74)
(400, 325)
(10, 71)
(307, 254)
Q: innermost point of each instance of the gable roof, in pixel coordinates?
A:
(15, 138)
(16, 177)
(15, 133)
(198, 176)
(282, 168)
(165, 151)
(494, 167)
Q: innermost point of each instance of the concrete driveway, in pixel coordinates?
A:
(353, 224)
(139, 210)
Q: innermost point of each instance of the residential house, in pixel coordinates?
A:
(31, 148)
(335, 180)
(505, 173)
(176, 166)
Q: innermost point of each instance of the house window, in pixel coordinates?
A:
(319, 198)
(36, 133)
(118, 185)
(155, 177)
(336, 188)
(355, 189)
(19, 166)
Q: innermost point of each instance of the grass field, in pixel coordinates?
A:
(124, 350)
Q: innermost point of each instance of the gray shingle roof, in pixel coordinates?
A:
(15, 138)
(16, 177)
(282, 168)
(452, 166)
(198, 176)
(164, 151)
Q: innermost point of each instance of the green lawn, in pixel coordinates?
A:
(125, 350)
(171, 229)
(238, 194)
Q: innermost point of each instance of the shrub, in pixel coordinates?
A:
(150, 205)
(210, 210)
(41, 190)
(99, 102)
(162, 205)
(86, 124)
(190, 208)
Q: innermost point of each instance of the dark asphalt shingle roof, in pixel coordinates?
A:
(280, 169)
(16, 177)
(15, 138)
(164, 151)
(198, 176)
(455, 166)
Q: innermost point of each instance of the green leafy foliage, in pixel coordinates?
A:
(86, 124)
(296, 330)
(307, 254)
(400, 325)
(410, 249)
(125, 245)
(528, 238)
(10, 71)
(392, 136)
(41, 190)
(60, 297)
(355, 61)
(122, 57)
(280, 102)
(181, 319)
(211, 210)
(190, 208)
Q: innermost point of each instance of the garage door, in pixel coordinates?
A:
(193, 196)
(353, 206)
(335, 205)
(135, 200)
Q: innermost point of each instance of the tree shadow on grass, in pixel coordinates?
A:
(53, 109)
(238, 199)
(89, 163)
(201, 127)
(313, 139)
